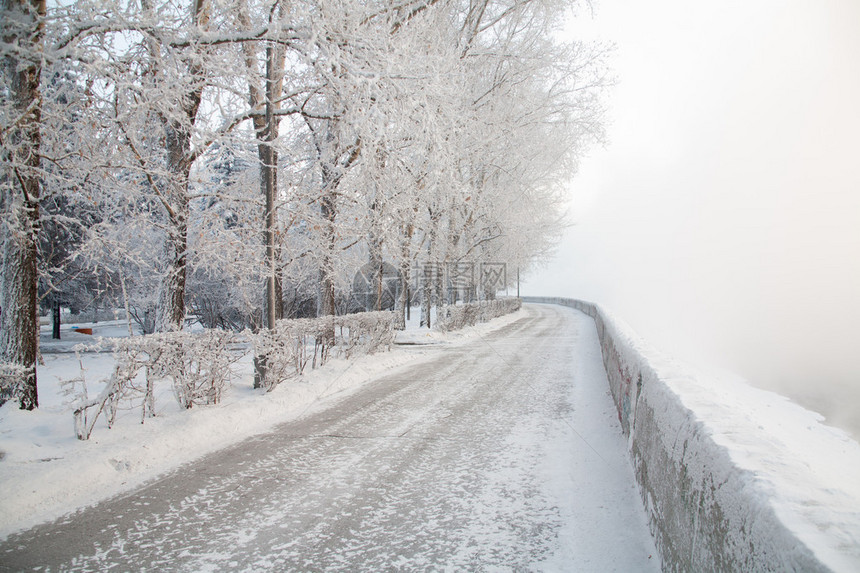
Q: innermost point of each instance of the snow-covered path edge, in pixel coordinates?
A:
(733, 477)
(47, 473)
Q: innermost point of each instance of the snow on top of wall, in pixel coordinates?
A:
(809, 472)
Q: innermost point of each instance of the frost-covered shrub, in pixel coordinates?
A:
(285, 350)
(198, 365)
(500, 307)
(455, 317)
(365, 332)
(11, 381)
(294, 343)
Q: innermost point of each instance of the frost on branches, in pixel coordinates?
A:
(12, 377)
(200, 365)
(455, 317)
(237, 162)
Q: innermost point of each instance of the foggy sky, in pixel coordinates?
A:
(722, 220)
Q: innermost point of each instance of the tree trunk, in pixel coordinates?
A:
(180, 159)
(326, 297)
(269, 181)
(432, 287)
(426, 295)
(376, 266)
(266, 129)
(267, 133)
(19, 319)
(439, 264)
(19, 329)
(171, 312)
(402, 306)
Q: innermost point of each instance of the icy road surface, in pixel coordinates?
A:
(503, 454)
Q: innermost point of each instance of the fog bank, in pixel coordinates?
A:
(722, 221)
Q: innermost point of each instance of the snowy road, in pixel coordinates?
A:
(503, 454)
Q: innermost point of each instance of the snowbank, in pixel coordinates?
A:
(732, 477)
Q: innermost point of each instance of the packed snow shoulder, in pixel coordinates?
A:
(733, 478)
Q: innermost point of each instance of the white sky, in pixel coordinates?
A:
(722, 220)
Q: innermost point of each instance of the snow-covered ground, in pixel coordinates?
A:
(47, 472)
(498, 451)
(806, 471)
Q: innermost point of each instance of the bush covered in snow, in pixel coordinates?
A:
(455, 317)
(11, 380)
(288, 348)
(199, 364)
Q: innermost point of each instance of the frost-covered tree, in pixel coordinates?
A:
(21, 112)
(238, 155)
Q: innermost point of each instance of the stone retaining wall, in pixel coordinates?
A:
(706, 514)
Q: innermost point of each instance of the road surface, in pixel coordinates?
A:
(500, 454)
